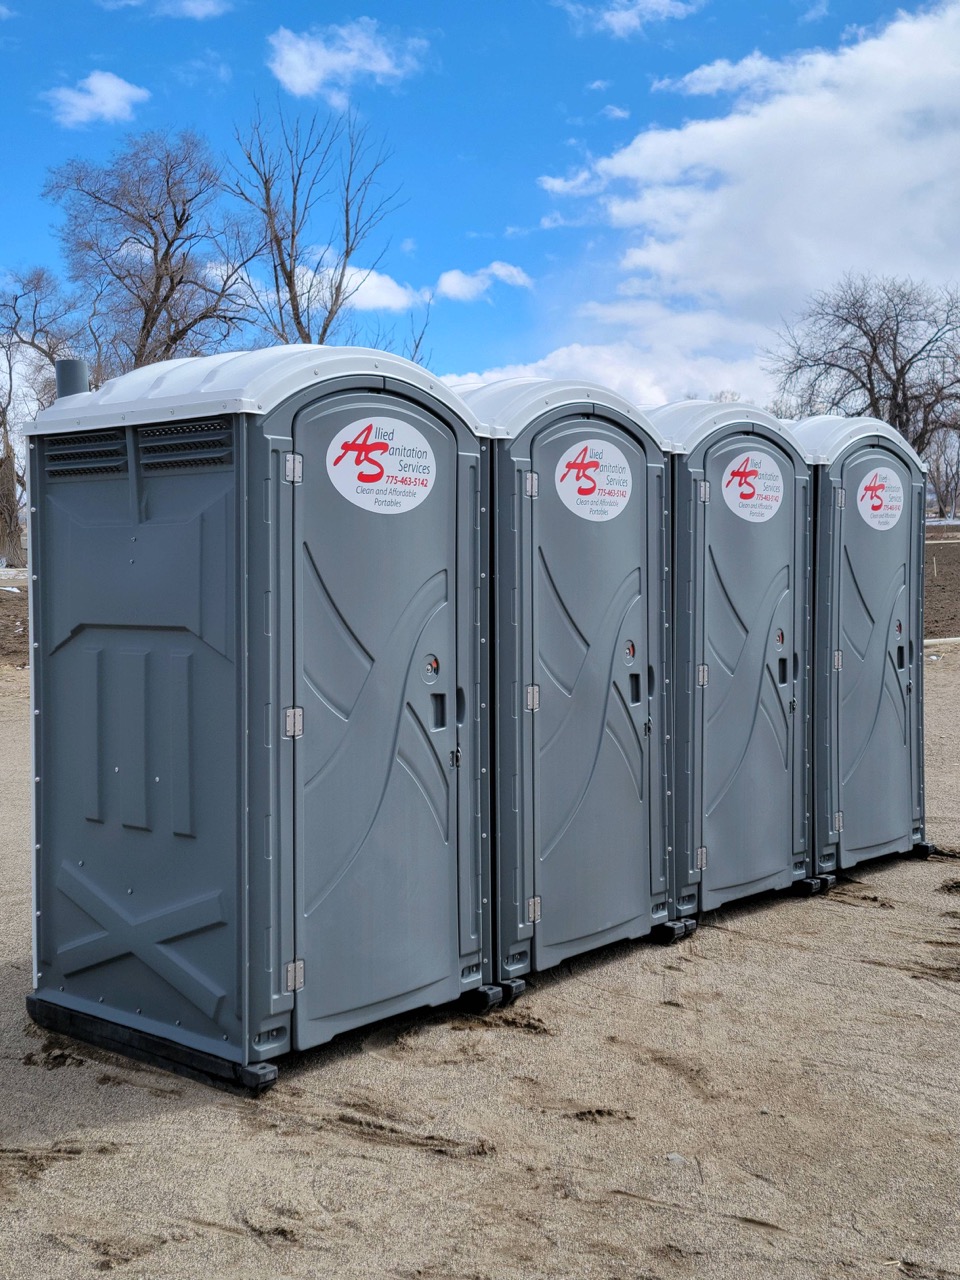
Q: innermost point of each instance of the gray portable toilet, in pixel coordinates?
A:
(257, 682)
(580, 660)
(868, 641)
(741, 520)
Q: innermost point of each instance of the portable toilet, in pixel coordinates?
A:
(257, 680)
(580, 660)
(741, 530)
(868, 640)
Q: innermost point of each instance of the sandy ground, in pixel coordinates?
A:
(941, 598)
(775, 1098)
(941, 595)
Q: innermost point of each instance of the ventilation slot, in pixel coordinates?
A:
(191, 446)
(94, 453)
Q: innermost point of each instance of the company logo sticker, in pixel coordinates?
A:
(382, 465)
(880, 498)
(753, 487)
(594, 480)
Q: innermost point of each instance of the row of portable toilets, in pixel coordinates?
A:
(354, 695)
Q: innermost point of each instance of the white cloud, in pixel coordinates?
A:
(582, 183)
(615, 113)
(551, 221)
(376, 291)
(823, 163)
(816, 11)
(101, 96)
(327, 61)
(210, 69)
(464, 287)
(653, 355)
(198, 9)
(379, 292)
(622, 18)
(755, 73)
(599, 86)
(618, 366)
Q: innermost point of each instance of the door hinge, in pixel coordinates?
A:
(532, 484)
(456, 757)
(293, 468)
(841, 498)
(703, 675)
(702, 857)
(293, 976)
(838, 659)
(704, 490)
(838, 820)
(293, 722)
(533, 697)
(533, 910)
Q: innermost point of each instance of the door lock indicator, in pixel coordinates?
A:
(430, 668)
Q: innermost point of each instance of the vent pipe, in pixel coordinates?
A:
(73, 377)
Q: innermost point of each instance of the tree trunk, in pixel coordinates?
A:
(10, 548)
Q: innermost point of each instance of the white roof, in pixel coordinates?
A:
(235, 382)
(506, 408)
(827, 436)
(688, 422)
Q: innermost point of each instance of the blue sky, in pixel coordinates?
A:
(633, 191)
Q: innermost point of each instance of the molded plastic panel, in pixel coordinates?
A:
(135, 616)
(751, 718)
(880, 639)
(592, 820)
(377, 863)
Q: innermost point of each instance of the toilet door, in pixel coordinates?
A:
(376, 778)
(589, 660)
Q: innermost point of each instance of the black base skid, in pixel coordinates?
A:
(814, 884)
(154, 1050)
(481, 999)
(673, 930)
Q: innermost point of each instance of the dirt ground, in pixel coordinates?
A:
(941, 601)
(777, 1097)
(14, 636)
(941, 593)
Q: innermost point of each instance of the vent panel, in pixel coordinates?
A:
(186, 446)
(88, 453)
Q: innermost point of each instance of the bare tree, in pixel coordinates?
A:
(36, 314)
(943, 459)
(11, 472)
(158, 266)
(36, 326)
(315, 191)
(881, 347)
